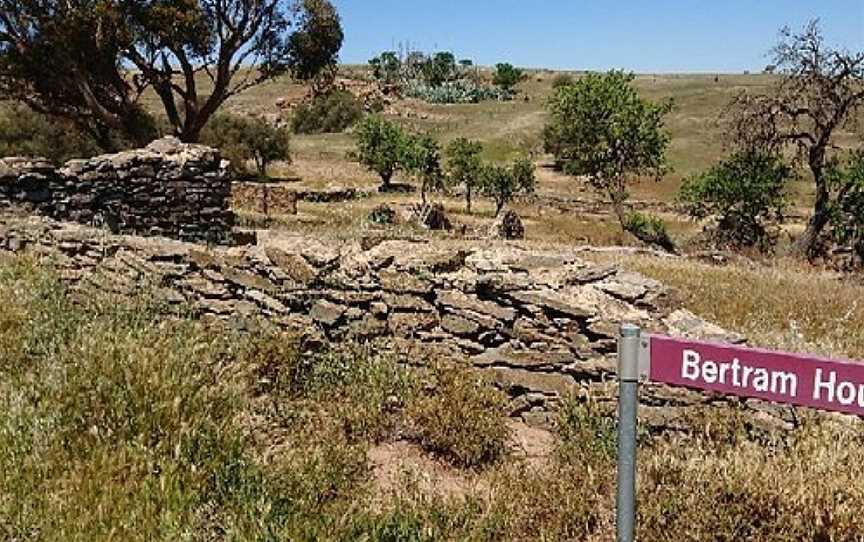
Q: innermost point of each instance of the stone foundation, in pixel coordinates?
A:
(167, 189)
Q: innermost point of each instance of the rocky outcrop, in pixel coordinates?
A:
(168, 189)
(540, 323)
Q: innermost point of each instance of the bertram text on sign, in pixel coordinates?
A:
(748, 372)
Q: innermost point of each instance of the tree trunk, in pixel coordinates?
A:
(468, 198)
(385, 182)
(806, 245)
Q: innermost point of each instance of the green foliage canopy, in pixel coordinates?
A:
(847, 213)
(422, 158)
(747, 195)
(464, 165)
(328, 113)
(502, 183)
(243, 138)
(507, 76)
(69, 59)
(381, 147)
(601, 128)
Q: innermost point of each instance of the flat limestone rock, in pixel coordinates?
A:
(685, 324)
(294, 265)
(326, 313)
(459, 300)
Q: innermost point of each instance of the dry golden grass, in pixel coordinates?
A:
(784, 305)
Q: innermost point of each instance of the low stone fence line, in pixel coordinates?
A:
(539, 323)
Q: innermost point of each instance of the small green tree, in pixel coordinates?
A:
(502, 183)
(328, 113)
(422, 159)
(386, 67)
(380, 147)
(507, 76)
(464, 165)
(746, 194)
(847, 213)
(242, 139)
(439, 69)
(600, 128)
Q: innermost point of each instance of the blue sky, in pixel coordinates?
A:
(643, 36)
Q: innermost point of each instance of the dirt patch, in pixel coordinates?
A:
(400, 467)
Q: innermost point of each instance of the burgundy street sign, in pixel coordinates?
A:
(751, 372)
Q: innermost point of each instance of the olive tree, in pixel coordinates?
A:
(601, 129)
(464, 165)
(502, 183)
(818, 92)
(745, 193)
(507, 76)
(244, 139)
(90, 61)
(422, 159)
(381, 147)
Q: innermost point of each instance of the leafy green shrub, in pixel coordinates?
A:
(461, 419)
(385, 148)
(649, 229)
(23, 132)
(746, 194)
(506, 76)
(847, 214)
(328, 113)
(464, 165)
(241, 139)
(386, 67)
(502, 183)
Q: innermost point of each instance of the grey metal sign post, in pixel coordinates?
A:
(628, 399)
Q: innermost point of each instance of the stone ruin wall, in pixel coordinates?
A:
(539, 323)
(167, 189)
(264, 198)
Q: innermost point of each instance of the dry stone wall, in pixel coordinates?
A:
(539, 323)
(167, 189)
(264, 198)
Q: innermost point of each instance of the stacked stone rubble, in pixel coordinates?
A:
(167, 189)
(541, 324)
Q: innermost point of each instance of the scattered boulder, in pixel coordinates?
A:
(507, 226)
